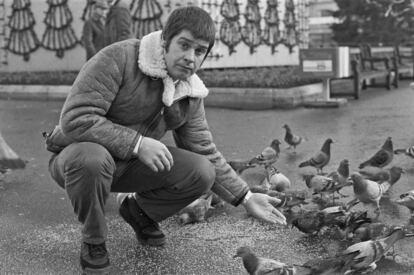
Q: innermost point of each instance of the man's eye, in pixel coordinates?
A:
(200, 52)
(185, 46)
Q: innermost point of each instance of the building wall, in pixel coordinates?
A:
(320, 20)
(240, 43)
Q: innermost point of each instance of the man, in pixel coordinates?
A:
(118, 22)
(121, 104)
(93, 29)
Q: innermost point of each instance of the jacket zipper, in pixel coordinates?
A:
(157, 116)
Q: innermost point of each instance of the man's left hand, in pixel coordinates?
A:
(261, 207)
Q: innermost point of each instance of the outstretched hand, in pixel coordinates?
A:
(155, 155)
(261, 207)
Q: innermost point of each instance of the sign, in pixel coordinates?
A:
(325, 62)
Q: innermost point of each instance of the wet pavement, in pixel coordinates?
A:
(40, 235)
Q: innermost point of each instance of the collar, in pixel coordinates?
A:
(151, 62)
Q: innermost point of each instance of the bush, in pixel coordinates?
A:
(254, 77)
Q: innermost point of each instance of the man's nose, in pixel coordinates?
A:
(190, 55)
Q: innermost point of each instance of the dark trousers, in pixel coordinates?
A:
(89, 173)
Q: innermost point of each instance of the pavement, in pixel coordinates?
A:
(235, 98)
(40, 235)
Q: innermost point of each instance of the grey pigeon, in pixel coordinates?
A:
(260, 266)
(239, 165)
(379, 174)
(196, 211)
(382, 157)
(368, 191)
(277, 181)
(326, 266)
(407, 199)
(321, 158)
(371, 251)
(269, 155)
(292, 139)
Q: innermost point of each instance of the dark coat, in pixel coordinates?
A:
(118, 24)
(93, 36)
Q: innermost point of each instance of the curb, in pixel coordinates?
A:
(232, 98)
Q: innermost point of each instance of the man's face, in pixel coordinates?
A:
(184, 55)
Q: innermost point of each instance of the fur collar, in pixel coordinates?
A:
(151, 62)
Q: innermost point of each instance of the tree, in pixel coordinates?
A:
(59, 34)
(22, 39)
(376, 22)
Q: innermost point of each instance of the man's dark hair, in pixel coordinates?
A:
(193, 19)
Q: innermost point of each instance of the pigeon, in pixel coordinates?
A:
(408, 151)
(340, 176)
(318, 184)
(382, 157)
(269, 155)
(8, 158)
(371, 251)
(379, 174)
(407, 199)
(288, 200)
(352, 222)
(371, 231)
(312, 222)
(240, 166)
(260, 266)
(368, 191)
(326, 266)
(292, 139)
(276, 179)
(196, 211)
(321, 158)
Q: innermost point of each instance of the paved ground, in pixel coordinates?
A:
(39, 234)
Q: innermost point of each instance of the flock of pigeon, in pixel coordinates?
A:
(370, 239)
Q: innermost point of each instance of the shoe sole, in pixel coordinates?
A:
(150, 242)
(95, 271)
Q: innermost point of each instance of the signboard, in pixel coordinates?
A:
(325, 62)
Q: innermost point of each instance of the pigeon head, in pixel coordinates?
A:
(357, 182)
(411, 193)
(307, 178)
(395, 174)
(275, 144)
(388, 145)
(286, 127)
(343, 168)
(326, 147)
(243, 251)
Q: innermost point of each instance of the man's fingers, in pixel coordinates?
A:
(159, 165)
(279, 215)
(169, 157)
(274, 201)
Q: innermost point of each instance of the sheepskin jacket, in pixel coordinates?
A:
(123, 92)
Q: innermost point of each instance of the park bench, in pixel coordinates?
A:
(367, 69)
(405, 61)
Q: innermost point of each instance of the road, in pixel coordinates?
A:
(40, 235)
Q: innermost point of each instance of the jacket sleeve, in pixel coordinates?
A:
(83, 116)
(87, 39)
(195, 136)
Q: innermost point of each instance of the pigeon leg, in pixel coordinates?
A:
(377, 212)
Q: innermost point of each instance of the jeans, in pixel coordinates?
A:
(88, 173)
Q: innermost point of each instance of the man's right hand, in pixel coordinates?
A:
(155, 155)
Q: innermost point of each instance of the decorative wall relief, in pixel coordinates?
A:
(23, 39)
(290, 37)
(271, 33)
(251, 31)
(230, 26)
(59, 34)
(86, 13)
(146, 17)
(213, 8)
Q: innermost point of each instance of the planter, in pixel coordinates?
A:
(262, 98)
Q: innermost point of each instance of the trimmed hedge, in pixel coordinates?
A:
(254, 77)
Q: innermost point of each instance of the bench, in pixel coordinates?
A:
(367, 68)
(405, 61)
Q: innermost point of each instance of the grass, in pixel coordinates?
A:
(254, 77)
